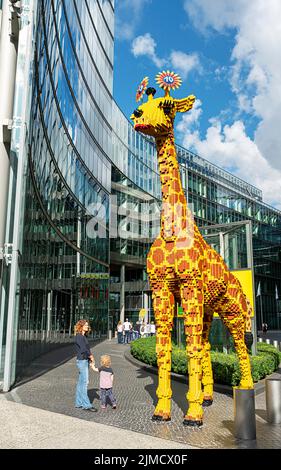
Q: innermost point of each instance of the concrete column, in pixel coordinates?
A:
(145, 306)
(273, 400)
(235, 252)
(221, 238)
(0, 17)
(226, 249)
(250, 262)
(78, 244)
(49, 312)
(244, 413)
(8, 62)
(122, 293)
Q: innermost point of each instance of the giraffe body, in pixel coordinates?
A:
(183, 268)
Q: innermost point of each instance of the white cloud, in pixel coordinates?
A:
(229, 147)
(181, 62)
(125, 30)
(219, 14)
(184, 63)
(255, 79)
(145, 45)
(190, 120)
(128, 15)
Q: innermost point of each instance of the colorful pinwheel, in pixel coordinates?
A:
(168, 80)
(141, 89)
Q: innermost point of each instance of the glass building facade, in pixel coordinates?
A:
(90, 199)
(63, 268)
(64, 275)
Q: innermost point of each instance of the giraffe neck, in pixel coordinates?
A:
(175, 216)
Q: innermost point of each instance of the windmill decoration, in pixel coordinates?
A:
(168, 81)
(141, 89)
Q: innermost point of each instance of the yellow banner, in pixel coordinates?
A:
(142, 312)
(246, 280)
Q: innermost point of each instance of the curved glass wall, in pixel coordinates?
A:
(134, 154)
(65, 262)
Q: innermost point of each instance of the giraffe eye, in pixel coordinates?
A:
(138, 113)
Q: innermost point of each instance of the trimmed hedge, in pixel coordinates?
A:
(225, 366)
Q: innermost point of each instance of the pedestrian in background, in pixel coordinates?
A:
(142, 330)
(152, 329)
(84, 358)
(138, 324)
(120, 332)
(264, 328)
(131, 333)
(127, 327)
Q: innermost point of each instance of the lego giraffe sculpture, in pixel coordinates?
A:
(182, 267)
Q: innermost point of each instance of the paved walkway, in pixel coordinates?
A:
(41, 410)
(27, 427)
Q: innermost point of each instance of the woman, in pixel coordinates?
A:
(84, 357)
(120, 332)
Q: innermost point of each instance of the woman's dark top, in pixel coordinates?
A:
(82, 347)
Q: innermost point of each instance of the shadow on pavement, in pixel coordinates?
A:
(48, 361)
(262, 414)
(93, 395)
(227, 441)
(179, 390)
(150, 388)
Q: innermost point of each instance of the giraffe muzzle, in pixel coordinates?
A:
(142, 127)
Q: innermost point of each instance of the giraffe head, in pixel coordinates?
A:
(156, 116)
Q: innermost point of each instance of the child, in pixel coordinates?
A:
(106, 381)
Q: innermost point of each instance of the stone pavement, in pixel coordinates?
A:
(135, 388)
(26, 427)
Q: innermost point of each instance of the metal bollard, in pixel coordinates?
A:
(109, 334)
(244, 413)
(273, 400)
(275, 344)
(267, 341)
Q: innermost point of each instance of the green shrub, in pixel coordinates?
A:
(143, 349)
(270, 349)
(225, 366)
(179, 361)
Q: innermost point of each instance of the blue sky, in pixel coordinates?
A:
(227, 54)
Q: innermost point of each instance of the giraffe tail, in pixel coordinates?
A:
(248, 336)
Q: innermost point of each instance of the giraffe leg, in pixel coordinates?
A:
(163, 304)
(207, 378)
(193, 308)
(235, 322)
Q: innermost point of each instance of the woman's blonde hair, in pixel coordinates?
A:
(105, 360)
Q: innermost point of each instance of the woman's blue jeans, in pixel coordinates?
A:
(82, 399)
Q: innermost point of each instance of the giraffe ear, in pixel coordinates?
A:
(185, 104)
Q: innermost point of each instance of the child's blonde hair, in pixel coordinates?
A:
(105, 360)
